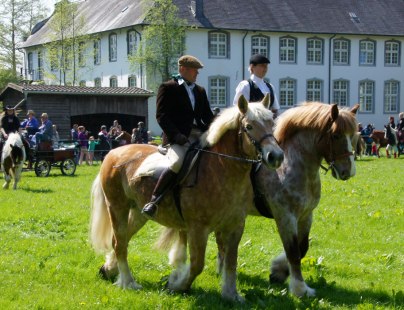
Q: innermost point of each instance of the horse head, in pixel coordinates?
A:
(256, 129)
(337, 145)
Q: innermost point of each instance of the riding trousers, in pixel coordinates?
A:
(176, 153)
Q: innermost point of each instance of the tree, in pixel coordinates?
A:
(163, 41)
(67, 44)
(18, 17)
(7, 76)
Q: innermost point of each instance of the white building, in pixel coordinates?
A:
(341, 51)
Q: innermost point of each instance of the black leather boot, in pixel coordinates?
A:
(164, 184)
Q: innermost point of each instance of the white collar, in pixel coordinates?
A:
(256, 79)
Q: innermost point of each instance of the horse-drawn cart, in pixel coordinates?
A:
(45, 156)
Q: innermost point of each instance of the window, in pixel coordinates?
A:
(315, 51)
(67, 58)
(341, 52)
(81, 57)
(260, 45)
(287, 91)
(218, 91)
(113, 81)
(288, 49)
(366, 95)
(219, 45)
(97, 51)
(30, 63)
(341, 92)
(97, 82)
(40, 66)
(367, 51)
(82, 83)
(132, 81)
(392, 53)
(313, 90)
(112, 47)
(132, 42)
(391, 96)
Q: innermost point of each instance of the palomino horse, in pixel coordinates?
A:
(307, 134)
(238, 137)
(12, 159)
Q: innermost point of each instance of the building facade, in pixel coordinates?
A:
(340, 52)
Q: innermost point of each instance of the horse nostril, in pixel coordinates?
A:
(275, 158)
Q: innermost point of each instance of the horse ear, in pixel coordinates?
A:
(355, 108)
(267, 101)
(334, 112)
(242, 104)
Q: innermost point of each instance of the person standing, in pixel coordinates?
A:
(104, 142)
(183, 113)
(255, 88)
(83, 140)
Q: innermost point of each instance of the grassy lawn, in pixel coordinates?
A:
(355, 261)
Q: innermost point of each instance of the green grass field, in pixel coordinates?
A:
(355, 261)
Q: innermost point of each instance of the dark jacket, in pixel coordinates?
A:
(174, 110)
(10, 123)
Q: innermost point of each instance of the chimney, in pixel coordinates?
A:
(197, 8)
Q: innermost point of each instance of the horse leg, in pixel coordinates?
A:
(220, 252)
(178, 257)
(17, 175)
(181, 281)
(288, 230)
(7, 179)
(119, 218)
(109, 271)
(229, 269)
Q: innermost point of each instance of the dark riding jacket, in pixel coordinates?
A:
(10, 123)
(175, 113)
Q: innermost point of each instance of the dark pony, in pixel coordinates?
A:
(12, 159)
(238, 137)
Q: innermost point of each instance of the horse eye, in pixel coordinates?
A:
(248, 127)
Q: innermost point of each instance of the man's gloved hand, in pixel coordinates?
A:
(180, 139)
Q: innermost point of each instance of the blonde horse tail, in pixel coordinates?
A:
(100, 226)
(167, 238)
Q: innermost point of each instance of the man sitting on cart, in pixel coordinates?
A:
(45, 132)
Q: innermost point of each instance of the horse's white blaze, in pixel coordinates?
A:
(351, 157)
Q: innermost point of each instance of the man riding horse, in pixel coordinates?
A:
(183, 113)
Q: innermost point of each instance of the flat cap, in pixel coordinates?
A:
(258, 59)
(190, 61)
(30, 112)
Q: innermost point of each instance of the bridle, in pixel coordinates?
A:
(332, 158)
(256, 143)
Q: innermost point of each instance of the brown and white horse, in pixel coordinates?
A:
(12, 159)
(239, 136)
(308, 134)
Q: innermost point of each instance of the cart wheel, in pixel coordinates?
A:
(68, 167)
(42, 168)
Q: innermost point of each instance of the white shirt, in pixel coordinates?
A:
(190, 92)
(243, 88)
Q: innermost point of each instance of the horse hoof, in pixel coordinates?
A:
(105, 275)
(278, 278)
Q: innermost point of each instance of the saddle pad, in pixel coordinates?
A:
(153, 165)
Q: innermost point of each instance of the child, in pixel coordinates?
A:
(91, 148)
(374, 149)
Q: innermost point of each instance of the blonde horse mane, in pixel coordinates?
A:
(315, 116)
(229, 119)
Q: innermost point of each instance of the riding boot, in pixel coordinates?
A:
(164, 184)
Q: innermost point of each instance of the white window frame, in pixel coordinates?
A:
(341, 53)
(315, 51)
(81, 58)
(219, 44)
(218, 91)
(366, 96)
(287, 92)
(392, 53)
(132, 81)
(113, 47)
(97, 82)
(391, 101)
(40, 66)
(288, 50)
(314, 90)
(340, 92)
(30, 62)
(113, 81)
(97, 51)
(367, 52)
(260, 45)
(132, 39)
